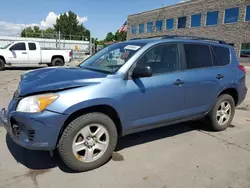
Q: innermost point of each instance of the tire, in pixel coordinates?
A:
(2, 64)
(57, 62)
(213, 118)
(78, 161)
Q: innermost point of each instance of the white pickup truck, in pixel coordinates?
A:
(30, 53)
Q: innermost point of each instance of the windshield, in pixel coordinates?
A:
(111, 58)
(6, 46)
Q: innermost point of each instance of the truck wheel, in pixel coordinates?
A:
(57, 62)
(88, 142)
(222, 114)
(2, 64)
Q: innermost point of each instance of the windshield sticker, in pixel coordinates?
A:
(132, 47)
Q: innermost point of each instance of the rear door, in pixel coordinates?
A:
(18, 53)
(34, 53)
(201, 82)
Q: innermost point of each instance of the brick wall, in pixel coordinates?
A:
(236, 33)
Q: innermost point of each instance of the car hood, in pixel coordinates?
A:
(58, 78)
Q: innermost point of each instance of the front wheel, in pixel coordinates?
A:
(222, 114)
(88, 142)
(2, 64)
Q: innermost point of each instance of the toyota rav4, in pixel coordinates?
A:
(124, 88)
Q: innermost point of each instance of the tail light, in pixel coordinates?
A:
(70, 54)
(242, 68)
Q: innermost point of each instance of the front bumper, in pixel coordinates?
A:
(38, 131)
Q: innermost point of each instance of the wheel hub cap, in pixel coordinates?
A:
(90, 143)
(223, 114)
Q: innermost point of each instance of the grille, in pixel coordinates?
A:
(31, 135)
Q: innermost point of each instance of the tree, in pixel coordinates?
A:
(110, 37)
(70, 28)
(27, 32)
(122, 36)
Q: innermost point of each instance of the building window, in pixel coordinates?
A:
(141, 28)
(149, 27)
(182, 22)
(133, 29)
(170, 24)
(231, 15)
(212, 18)
(247, 13)
(159, 25)
(196, 20)
(245, 50)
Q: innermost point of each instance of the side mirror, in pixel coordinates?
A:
(10, 49)
(140, 72)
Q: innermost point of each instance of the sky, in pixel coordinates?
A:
(99, 16)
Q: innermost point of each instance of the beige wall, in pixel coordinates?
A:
(232, 33)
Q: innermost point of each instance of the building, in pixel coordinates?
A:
(227, 20)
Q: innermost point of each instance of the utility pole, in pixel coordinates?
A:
(59, 39)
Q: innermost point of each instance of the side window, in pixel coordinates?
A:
(32, 46)
(162, 59)
(197, 56)
(222, 55)
(19, 46)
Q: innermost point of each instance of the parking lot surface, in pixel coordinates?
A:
(176, 156)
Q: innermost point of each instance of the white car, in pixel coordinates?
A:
(30, 53)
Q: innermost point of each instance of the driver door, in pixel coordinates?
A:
(159, 98)
(18, 53)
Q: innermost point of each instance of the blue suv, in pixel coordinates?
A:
(126, 87)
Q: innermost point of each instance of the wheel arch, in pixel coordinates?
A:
(105, 109)
(2, 58)
(231, 91)
(57, 56)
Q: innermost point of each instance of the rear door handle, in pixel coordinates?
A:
(24, 52)
(179, 82)
(219, 76)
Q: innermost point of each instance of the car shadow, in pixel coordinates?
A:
(41, 160)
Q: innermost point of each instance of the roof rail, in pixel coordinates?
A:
(192, 38)
(146, 38)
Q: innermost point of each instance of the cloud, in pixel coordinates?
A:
(51, 19)
(183, 1)
(13, 29)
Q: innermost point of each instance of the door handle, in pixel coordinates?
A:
(24, 52)
(219, 76)
(178, 82)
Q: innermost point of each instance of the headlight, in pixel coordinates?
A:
(36, 103)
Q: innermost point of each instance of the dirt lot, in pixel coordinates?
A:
(175, 156)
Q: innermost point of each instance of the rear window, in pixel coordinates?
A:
(197, 56)
(222, 56)
(32, 46)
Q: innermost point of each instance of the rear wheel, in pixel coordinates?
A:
(2, 64)
(222, 114)
(88, 142)
(57, 62)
